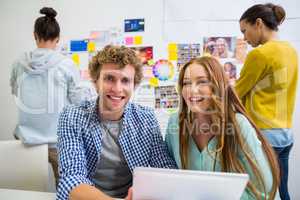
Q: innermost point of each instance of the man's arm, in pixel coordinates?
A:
(87, 192)
(74, 183)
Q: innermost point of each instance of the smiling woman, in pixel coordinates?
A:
(212, 131)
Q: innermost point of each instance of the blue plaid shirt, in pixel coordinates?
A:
(79, 143)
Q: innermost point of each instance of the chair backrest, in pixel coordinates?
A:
(23, 167)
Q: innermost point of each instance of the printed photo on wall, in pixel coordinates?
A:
(232, 68)
(221, 47)
(241, 50)
(144, 53)
(134, 25)
(186, 52)
(166, 97)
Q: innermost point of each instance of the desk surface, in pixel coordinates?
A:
(26, 195)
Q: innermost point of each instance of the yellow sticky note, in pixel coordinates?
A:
(173, 56)
(172, 47)
(76, 59)
(91, 47)
(138, 40)
(153, 82)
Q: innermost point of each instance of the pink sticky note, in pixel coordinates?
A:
(129, 40)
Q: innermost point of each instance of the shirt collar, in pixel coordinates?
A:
(95, 106)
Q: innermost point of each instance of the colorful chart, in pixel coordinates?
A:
(163, 70)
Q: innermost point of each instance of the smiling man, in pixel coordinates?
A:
(101, 142)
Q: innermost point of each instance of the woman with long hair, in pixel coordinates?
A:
(212, 131)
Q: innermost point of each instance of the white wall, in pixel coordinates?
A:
(165, 21)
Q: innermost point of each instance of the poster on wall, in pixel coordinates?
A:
(221, 47)
(78, 45)
(232, 68)
(134, 25)
(163, 70)
(230, 51)
(144, 53)
(166, 97)
(101, 38)
(241, 50)
(186, 52)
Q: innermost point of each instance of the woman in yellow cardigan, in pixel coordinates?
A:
(268, 80)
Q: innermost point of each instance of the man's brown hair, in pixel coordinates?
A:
(119, 55)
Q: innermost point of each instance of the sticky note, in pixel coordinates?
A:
(172, 47)
(138, 40)
(129, 40)
(76, 59)
(173, 56)
(154, 82)
(91, 47)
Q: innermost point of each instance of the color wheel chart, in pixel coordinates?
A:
(163, 70)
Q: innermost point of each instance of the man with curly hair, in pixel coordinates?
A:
(101, 142)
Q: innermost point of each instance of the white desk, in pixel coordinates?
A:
(8, 194)
(25, 195)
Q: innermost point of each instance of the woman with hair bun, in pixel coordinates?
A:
(268, 80)
(43, 82)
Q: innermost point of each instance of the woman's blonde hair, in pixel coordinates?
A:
(226, 104)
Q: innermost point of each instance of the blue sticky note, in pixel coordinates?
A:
(78, 45)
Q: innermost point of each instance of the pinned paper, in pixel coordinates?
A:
(128, 40)
(154, 82)
(144, 53)
(91, 47)
(95, 34)
(134, 25)
(101, 38)
(147, 71)
(172, 47)
(173, 56)
(76, 59)
(78, 45)
(151, 62)
(138, 40)
(173, 52)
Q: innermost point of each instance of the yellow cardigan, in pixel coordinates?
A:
(267, 84)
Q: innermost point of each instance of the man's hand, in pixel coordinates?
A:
(129, 195)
